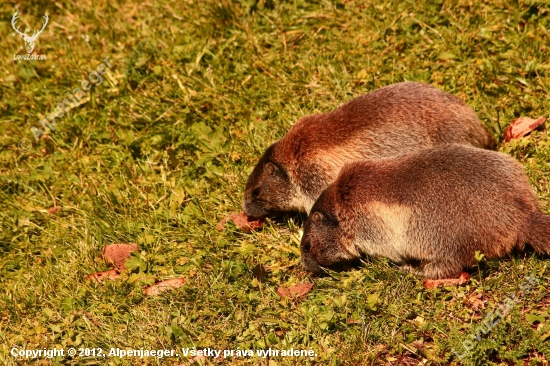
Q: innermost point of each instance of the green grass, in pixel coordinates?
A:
(217, 81)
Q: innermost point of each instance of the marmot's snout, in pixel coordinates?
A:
(252, 204)
(308, 263)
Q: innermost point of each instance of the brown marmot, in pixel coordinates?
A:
(396, 119)
(430, 210)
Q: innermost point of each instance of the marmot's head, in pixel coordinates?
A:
(329, 236)
(269, 190)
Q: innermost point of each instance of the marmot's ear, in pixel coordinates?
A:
(270, 168)
(316, 216)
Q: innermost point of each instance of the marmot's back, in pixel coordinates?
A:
(392, 120)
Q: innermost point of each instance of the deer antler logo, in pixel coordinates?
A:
(29, 40)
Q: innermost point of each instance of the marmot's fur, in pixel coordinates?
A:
(430, 210)
(390, 121)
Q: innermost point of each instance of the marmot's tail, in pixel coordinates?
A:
(538, 232)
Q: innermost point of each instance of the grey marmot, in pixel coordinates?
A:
(429, 210)
(395, 119)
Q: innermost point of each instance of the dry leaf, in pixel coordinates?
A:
(102, 276)
(298, 290)
(464, 277)
(521, 126)
(53, 210)
(116, 254)
(244, 222)
(160, 287)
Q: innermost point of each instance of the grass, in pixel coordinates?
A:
(160, 152)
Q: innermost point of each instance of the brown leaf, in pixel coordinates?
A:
(244, 222)
(298, 290)
(160, 287)
(112, 275)
(464, 277)
(53, 210)
(116, 254)
(521, 126)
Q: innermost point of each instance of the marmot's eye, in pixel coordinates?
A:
(317, 216)
(306, 247)
(256, 192)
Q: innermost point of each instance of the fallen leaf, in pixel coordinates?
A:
(112, 275)
(521, 126)
(160, 287)
(53, 210)
(116, 254)
(244, 222)
(464, 277)
(298, 290)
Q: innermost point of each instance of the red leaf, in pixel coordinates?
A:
(102, 276)
(464, 277)
(160, 287)
(116, 254)
(521, 126)
(298, 290)
(53, 210)
(244, 222)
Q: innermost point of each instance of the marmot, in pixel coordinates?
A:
(430, 210)
(396, 119)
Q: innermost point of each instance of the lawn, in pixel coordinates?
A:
(158, 152)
